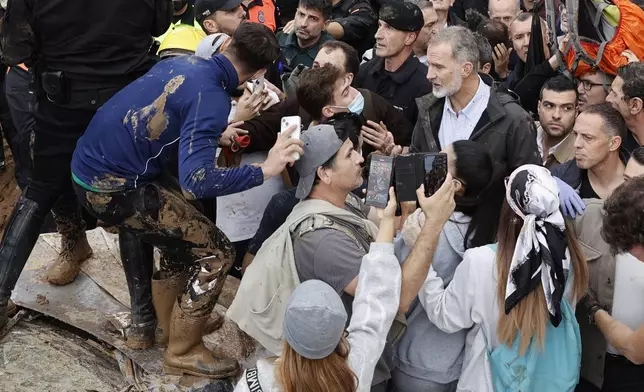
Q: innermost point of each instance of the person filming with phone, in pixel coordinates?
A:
(177, 111)
(326, 237)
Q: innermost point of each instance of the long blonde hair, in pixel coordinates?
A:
(333, 373)
(530, 316)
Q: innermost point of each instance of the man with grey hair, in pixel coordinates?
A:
(504, 10)
(464, 105)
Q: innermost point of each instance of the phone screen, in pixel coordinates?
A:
(435, 172)
(379, 181)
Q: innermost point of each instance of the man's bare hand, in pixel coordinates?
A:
(376, 135)
(289, 28)
(282, 154)
(228, 137)
(501, 59)
(250, 105)
(630, 56)
(440, 206)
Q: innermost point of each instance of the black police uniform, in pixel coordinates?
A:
(400, 88)
(80, 53)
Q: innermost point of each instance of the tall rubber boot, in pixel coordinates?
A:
(138, 262)
(68, 263)
(166, 289)
(19, 239)
(186, 353)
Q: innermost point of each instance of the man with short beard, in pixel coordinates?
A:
(557, 110)
(395, 73)
(464, 105)
(302, 45)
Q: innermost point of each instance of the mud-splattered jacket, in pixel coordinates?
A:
(179, 107)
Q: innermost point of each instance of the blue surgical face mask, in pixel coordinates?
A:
(357, 105)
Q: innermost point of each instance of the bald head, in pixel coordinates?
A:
(503, 10)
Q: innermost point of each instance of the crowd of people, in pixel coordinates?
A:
(235, 137)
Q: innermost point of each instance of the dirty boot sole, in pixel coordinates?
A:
(177, 371)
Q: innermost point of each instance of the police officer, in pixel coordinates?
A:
(395, 73)
(79, 53)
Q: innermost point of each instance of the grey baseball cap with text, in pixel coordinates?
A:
(320, 144)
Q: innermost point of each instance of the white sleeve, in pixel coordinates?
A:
(374, 309)
(450, 309)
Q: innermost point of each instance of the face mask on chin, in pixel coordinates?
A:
(357, 105)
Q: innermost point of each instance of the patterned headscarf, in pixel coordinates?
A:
(541, 253)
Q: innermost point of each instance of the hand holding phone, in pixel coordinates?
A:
(435, 172)
(286, 123)
(379, 182)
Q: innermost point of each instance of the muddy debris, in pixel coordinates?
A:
(42, 300)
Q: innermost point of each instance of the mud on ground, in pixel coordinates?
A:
(9, 191)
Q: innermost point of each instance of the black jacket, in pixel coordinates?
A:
(94, 41)
(359, 22)
(505, 128)
(263, 129)
(400, 88)
(529, 88)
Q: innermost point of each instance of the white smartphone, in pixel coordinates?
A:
(256, 84)
(289, 121)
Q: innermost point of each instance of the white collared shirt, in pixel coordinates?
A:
(423, 59)
(540, 135)
(459, 126)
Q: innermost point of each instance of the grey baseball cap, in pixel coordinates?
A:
(320, 144)
(212, 45)
(315, 320)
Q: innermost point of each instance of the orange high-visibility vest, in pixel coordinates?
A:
(628, 36)
(262, 11)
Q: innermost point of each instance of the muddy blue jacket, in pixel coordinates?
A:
(179, 108)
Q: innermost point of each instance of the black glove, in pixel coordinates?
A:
(592, 304)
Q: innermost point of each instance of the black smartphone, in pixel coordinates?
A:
(435, 172)
(380, 173)
(406, 169)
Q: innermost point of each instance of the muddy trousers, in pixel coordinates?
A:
(188, 241)
(57, 128)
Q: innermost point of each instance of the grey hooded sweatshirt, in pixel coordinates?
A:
(424, 351)
(374, 309)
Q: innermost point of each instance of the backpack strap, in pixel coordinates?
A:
(319, 221)
(252, 380)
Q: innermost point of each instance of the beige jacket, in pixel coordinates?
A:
(601, 267)
(260, 303)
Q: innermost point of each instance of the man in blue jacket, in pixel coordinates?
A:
(179, 109)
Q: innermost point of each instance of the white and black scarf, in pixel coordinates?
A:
(541, 253)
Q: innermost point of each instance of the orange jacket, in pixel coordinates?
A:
(264, 12)
(630, 31)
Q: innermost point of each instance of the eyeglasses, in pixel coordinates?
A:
(587, 84)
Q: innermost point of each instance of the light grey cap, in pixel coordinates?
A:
(320, 144)
(315, 320)
(211, 45)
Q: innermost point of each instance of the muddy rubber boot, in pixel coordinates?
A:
(165, 291)
(68, 263)
(186, 353)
